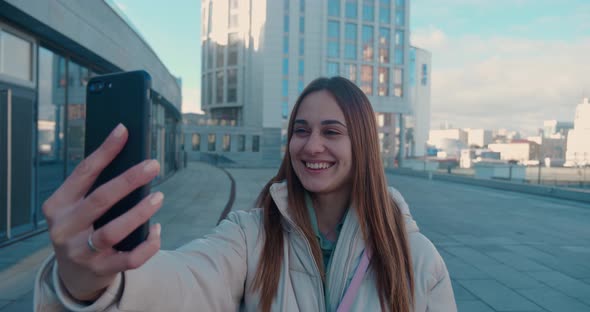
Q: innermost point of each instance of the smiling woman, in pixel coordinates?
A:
(329, 234)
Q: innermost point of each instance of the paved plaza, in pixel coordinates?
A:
(505, 251)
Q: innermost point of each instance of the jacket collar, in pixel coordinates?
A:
(279, 193)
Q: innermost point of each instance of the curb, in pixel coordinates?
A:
(232, 196)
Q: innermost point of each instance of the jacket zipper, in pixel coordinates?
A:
(323, 303)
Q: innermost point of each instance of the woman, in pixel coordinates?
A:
(325, 217)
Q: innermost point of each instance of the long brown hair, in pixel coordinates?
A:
(381, 221)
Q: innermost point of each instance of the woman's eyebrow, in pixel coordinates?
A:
(323, 123)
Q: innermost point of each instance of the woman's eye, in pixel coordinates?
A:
(299, 130)
(331, 132)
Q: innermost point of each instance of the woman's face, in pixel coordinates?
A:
(320, 147)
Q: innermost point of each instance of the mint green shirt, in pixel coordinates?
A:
(327, 246)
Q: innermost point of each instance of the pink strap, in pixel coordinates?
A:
(355, 284)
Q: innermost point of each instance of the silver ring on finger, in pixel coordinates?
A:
(91, 245)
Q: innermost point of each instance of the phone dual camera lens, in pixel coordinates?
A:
(96, 86)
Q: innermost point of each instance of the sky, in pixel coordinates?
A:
(495, 63)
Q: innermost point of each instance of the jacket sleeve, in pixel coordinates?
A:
(207, 274)
(440, 295)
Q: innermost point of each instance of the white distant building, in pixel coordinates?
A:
(479, 137)
(518, 150)
(578, 141)
(419, 120)
(504, 135)
(437, 137)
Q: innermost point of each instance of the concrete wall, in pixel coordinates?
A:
(549, 191)
(96, 27)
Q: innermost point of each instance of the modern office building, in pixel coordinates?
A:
(258, 55)
(578, 139)
(48, 51)
(418, 122)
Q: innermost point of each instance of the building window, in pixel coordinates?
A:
(384, 34)
(300, 86)
(424, 80)
(400, 3)
(233, 4)
(350, 41)
(211, 142)
(285, 88)
(285, 67)
(301, 24)
(384, 12)
(350, 72)
(399, 56)
(383, 81)
(209, 88)
(301, 6)
(210, 54)
(233, 46)
(333, 39)
(285, 110)
(286, 24)
(196, 142)
(233, 21)
(333, 69)
(286, 5)
(398, 81)
(226, 142)
(285, 44)
(241, 143)
(399, 38)
(368, 11)
(334, 8)
(219, 87)
(351, 9)
(301, 67)
(301, 46)
(400, 18)
(232, 85)
(367, 79)
(16, 57)
(255, 143)
(368, 40)
(220, 49)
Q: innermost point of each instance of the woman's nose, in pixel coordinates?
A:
(314, 144)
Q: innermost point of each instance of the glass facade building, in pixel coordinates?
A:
(43, 78)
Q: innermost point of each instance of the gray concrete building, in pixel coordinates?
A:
(49, 51)
(258, 55)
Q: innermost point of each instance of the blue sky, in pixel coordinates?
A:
(495, 63)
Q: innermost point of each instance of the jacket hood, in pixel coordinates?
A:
(279, 193)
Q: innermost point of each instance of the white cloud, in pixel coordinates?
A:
(504, 82)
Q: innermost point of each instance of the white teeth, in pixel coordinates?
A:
(317, 165)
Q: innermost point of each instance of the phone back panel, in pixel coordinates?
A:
(124, 98)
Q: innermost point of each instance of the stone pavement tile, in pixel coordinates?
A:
(459, 269)
(510, 277)
(472, 256)
(563, 283)
(4, 303)
(460, 292)
(552, 300)
(575, 254)
(498, 296)
(23, 304)
(473, 306)
(518, 262)
(14, 287)
(563, 265)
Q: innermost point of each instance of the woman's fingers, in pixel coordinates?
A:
(122, 261)
(108, 194)
(79, 182)
(116, 230)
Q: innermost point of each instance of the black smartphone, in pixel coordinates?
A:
(112, 99)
